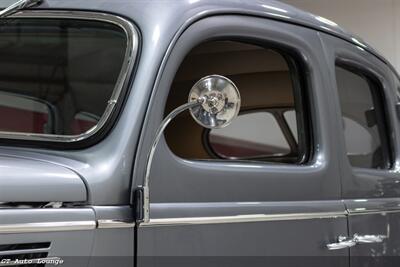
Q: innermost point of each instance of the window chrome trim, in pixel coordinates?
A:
(122, 81)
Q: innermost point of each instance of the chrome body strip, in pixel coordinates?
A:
(111, 224)
(132, 45)
(248, 218)
(354, 208)
(23, 251)
(372, 212)
(372, 206)
(40, 227)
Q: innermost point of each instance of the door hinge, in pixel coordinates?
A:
(139, 205)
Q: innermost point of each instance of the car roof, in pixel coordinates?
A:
(175, 13)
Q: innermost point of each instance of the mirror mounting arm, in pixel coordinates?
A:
(21, 4)
(145, 213)
(214, 102)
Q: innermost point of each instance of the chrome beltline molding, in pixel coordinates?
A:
(40, 227)
(248, 218)
(19, 228)
(372, 212)
(110, 224)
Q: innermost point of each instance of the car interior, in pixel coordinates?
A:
(266, 128)
(72, 66)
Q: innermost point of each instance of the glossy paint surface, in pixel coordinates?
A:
(107, 166)
(371, 196)
(28, 180)
(115, 166)
(277, 195)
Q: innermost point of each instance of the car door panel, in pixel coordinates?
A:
(276, 225)
(204, 209)
(371, 195)
(376, 217)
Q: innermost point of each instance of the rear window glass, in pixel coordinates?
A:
(364, 123)
(57, 76)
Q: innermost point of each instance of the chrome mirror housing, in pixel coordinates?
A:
(214, 102)
(220, 102)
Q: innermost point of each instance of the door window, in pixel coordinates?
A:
(272, 125)
(251, 135)
(363, 119)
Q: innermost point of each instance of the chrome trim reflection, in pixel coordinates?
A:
(112, 224)
(18, 228)
(372, 212)
(22, 251)
(248, 218)
(15, 7)
(127, 66)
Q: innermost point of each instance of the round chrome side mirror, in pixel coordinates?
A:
(214, 102)
(220, 101)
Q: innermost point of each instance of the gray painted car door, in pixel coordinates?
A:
(371, 195)
(211, 213)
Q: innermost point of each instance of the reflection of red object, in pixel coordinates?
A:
(21, 120)
(79, 126)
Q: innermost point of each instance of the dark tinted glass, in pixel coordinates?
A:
(57, 75)
(364, 122)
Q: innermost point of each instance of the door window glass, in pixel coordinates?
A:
(250, 136)
(290, 117)
(272, 126)
(364, 122)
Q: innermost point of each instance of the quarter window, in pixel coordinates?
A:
(363, 119)
(57, 75)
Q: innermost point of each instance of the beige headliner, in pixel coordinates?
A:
(261, 75)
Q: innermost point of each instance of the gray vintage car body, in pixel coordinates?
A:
(201, 209)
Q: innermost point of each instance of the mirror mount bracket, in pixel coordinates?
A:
(214, 101)
(17, 6)
(143, 194)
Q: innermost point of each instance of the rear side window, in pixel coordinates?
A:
(58, 76)
(363, 119)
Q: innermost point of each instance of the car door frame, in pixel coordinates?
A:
(171, 217)
(371, 196)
